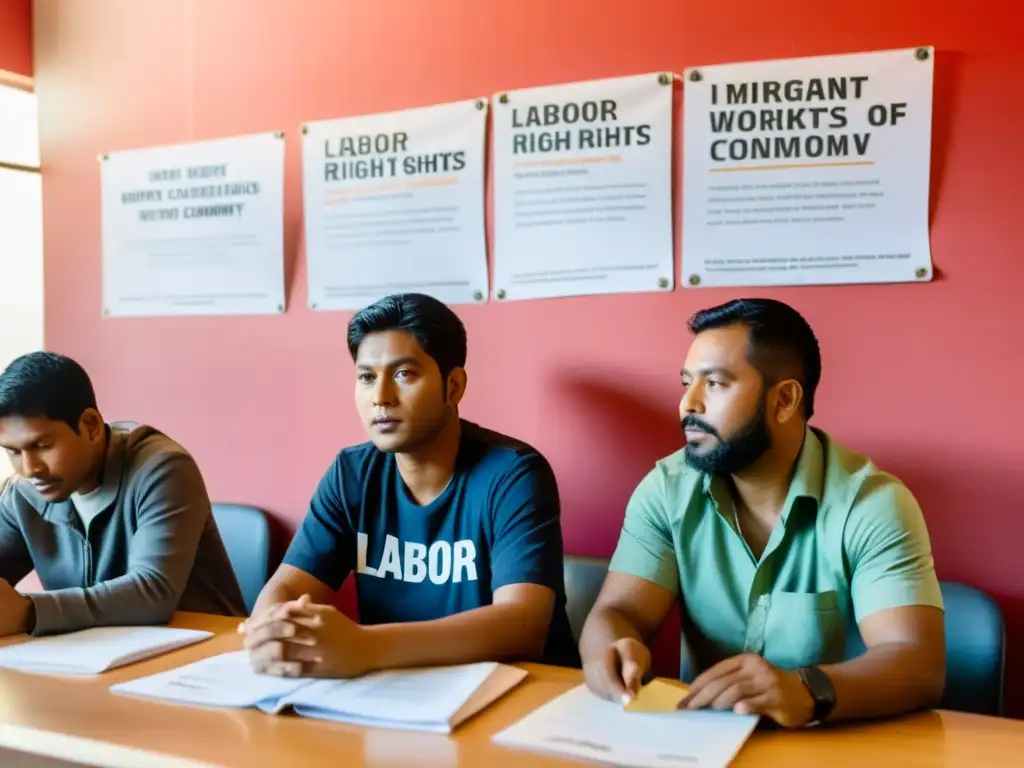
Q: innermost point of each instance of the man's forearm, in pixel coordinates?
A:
(128, 600)
(502, 632)
(603, 627)
(15, 561)
(888, 679)
(274, 594)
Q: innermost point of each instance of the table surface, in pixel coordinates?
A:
(78, 719)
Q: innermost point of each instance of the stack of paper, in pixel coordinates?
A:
(92, 651)
(581, 725)
(435, 699)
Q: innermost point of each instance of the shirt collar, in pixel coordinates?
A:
(807, 483)
(111, 485)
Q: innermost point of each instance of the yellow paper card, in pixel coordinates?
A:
(659, 695)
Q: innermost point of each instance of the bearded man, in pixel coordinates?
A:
(777, 543)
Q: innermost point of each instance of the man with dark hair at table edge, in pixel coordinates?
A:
(114, 518)
(776, 542)
(452, 531)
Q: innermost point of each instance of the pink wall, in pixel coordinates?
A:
(924, 378)
(16, 36)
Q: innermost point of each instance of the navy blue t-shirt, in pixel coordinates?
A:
(496, 523)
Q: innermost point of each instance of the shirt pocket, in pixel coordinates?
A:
(804, 628)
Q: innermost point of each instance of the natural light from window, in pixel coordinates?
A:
(21, 229)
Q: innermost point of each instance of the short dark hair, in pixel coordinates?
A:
(782, 344)
(437, 329)
(46, 385)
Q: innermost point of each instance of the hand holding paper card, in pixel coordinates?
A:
(659, 695)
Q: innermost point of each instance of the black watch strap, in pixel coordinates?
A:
(820, 687)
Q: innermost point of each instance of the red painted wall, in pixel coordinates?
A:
(16, 36)
(924, 378)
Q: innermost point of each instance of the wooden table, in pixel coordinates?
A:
(79, 719)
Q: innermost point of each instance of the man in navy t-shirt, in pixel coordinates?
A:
(452, 530)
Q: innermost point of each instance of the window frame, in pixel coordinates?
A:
(21, 83)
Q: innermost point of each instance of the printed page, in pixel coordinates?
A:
(92, 651)
(580, 724)
(225, 680)
(428, 697)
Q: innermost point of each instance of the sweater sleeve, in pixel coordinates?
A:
(173, 508)
(15, 560)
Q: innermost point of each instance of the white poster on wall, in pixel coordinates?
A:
(194, 229)
(808, 171)
(583, 188)
(395, 203)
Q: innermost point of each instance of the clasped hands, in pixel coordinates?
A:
(300, 638)
(747, 684)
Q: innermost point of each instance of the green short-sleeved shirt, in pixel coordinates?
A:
(851, 541)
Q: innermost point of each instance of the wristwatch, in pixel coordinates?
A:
(820, 687)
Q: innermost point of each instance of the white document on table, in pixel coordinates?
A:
(92, 651)
(435, 699)
(224, 680)
(580, 724)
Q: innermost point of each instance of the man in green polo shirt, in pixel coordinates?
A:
(778, 542)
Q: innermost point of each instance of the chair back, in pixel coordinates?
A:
(583, 579)
(975, 650)
(246, 534)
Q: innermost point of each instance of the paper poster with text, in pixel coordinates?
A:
(394, 203)
(583, 188)
(808, 171)
(194, 229)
